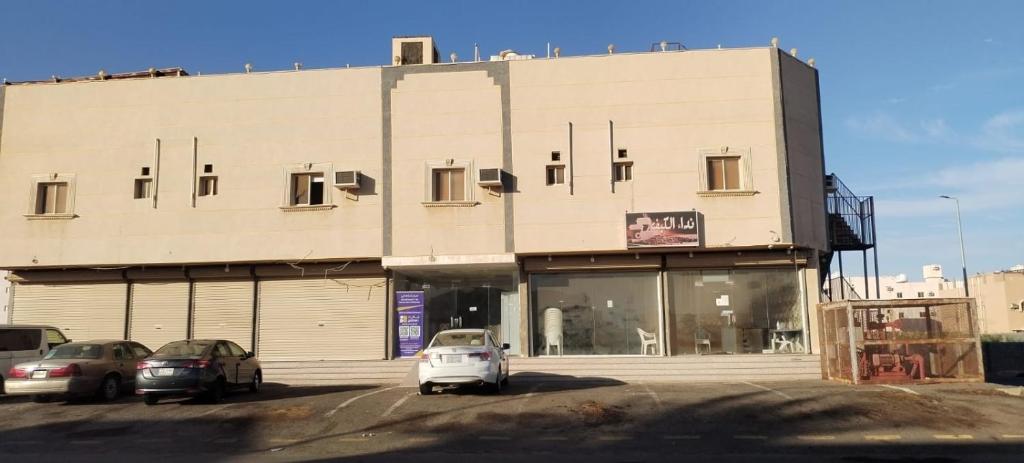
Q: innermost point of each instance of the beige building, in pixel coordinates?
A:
(1000, 297)
(5, 297)
(932, 285)
(662, 203)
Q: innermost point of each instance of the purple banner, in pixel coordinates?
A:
(410, 322)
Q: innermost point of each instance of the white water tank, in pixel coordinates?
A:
(901, 278)
(932, 271)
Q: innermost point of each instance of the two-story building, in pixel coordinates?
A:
(657, 203)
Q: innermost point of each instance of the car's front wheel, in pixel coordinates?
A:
(426, 388)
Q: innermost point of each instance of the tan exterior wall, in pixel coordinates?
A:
(804, 154)
(248, 126)
(435, 117)
(995, 293)
(665, 108)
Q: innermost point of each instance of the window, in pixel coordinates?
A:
(622, 153)
(556, 175)
(19, 339)
(143, 185)
(449, 185)
(140, 351)
(307, 189)
(920, 294)
(623, 171)
(52, 198)
(143, 188)
(208, 185)
(235, 350)
(723, 173)
(556, 156)
(899, 295)
(54, 338)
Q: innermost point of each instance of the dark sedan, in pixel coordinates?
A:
(208, 367)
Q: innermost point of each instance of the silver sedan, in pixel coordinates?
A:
(77, 369)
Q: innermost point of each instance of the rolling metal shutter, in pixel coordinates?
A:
(223, 310)
(159, 313)
(322, 319)
(82, 311)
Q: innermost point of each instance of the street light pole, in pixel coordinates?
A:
(960, 233)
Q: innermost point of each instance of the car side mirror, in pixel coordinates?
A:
(506, 346)
(249, 355)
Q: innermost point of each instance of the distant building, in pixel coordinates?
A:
(934, 284)
(1000, 297)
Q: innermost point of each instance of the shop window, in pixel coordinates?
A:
(595, 313)
(307, 189)
(735, 311)
(449, 185)
(555, 175)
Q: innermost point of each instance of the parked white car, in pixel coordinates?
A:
(25, 343)
(464, 357)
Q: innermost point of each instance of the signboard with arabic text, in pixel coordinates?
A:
(662, 229)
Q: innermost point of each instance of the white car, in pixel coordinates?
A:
(25, 343)
(464, 357)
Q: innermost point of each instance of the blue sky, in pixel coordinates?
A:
(920, 98)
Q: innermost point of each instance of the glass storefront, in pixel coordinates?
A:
(467, 299)
(595, 313)
(735, 311)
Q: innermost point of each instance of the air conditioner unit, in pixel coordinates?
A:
(347, 179)
(489, 178)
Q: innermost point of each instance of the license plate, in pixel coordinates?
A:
(39, 374)
(453, 359)
(165, 371)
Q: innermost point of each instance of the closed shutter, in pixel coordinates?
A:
(82, 311)
(223, 310)
(159, 313)
(322, 319)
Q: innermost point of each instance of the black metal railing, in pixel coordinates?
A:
(851, 217)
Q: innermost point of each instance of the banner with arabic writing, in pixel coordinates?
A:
(662, 229)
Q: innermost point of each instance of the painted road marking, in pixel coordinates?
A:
(816, 438)
(954, 436)
(353, 439)
(900, 388)
(773, 391)
(883, 437)
(212, 410)
(686, 437)
(494, 438)
(654, 395)
(526, 397)
(749, 437)
(1012, 436)
(349, 401)
(397, 404)
(613, 438)
(422, 439)
(283, 441)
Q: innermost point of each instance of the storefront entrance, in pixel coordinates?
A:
(453, 299)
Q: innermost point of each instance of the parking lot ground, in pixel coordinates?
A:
(593, 421)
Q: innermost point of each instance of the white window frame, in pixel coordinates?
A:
(746, 174)
(36, 180)
(448, 164)
(325, 168)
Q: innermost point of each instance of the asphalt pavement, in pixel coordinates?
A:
(594, 421)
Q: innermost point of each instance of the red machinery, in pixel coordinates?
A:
(891, 367)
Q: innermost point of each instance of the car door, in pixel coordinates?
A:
(246, 365)
(124, 362)
(229, 363)
(29, 344)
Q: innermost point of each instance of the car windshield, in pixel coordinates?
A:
(458, 339)
(183, 349)
(76, 351)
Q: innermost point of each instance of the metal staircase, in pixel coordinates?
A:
(851, 227)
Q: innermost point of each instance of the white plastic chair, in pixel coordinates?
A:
(780, 342)
(701, 338)
(647, 339)
(552, 330)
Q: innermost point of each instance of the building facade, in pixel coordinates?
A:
(663, 203)
(1000, 297)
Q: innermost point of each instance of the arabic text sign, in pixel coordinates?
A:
(662, 229)
(409, 305)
